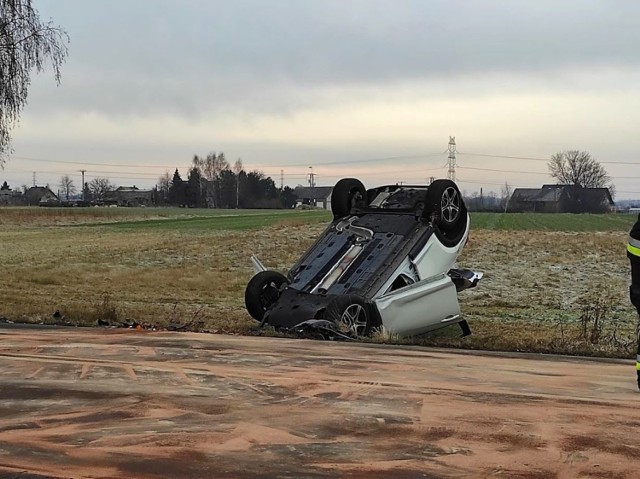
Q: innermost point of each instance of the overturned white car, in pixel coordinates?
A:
(386, 261)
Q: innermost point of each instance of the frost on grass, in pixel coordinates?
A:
(537, 287)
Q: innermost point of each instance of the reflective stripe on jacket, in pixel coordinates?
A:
(633, 246)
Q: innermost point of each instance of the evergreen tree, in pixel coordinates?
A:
(227, 189)
(194, 188)
(177, 190)
(288, 197)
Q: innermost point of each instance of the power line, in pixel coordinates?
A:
(88, 163)
(149, 165)
(339, 162)
(349, 162)
(535, 172)
(502, 171)
(543, 159)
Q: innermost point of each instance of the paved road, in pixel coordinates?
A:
(112, 403)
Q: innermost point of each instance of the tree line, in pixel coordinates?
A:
(212, 182)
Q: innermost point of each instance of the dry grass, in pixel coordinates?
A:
(539, 291)
(148, 276)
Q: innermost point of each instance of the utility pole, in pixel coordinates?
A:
(312, 178)
(82, 171)
(281, 180)
(452, 158)
(34, 179)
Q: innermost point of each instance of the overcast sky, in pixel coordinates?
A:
(371, 89)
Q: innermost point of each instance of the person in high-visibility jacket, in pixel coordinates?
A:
(633, 252)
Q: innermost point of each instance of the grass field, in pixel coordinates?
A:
(551, 222)
(553, 282)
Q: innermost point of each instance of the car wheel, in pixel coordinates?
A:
(347, 193)
(262, 292)
(444, 205)
(350, 314)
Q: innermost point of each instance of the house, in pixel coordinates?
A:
(313, 196)
(130, 196)
(40, 196)
(8, 196)
(561, 199)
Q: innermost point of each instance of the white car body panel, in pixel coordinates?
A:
(436, 258)
(420, 307)
(432, 301)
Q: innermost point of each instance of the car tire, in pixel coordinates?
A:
(262, 292)
(444, 206)
(347, 193)
(350, 314)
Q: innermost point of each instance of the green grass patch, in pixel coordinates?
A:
(231, 222)
(551, 222)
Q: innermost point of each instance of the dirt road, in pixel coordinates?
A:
(107, 403)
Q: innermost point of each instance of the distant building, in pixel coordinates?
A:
(9, 197)
(40, 196)
(561, 199)
(130, 196)
(314, 196)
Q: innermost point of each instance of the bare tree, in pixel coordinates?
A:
(237, 169)
(100, 187)
(238, 166)
(66, 186)
(506, 196)
(211, 167)
(26, 43)
(164, 183)
(578, 168)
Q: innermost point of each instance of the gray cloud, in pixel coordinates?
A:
(155, 56)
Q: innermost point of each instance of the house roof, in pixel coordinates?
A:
(603, 193)
(313, 193)
(525, 194)
(36, 193)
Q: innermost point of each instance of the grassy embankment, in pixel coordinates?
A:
(548, 277)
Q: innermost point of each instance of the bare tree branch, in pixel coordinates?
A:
(26, 44)
(579, 168)
(67, 186)
(99, 188)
